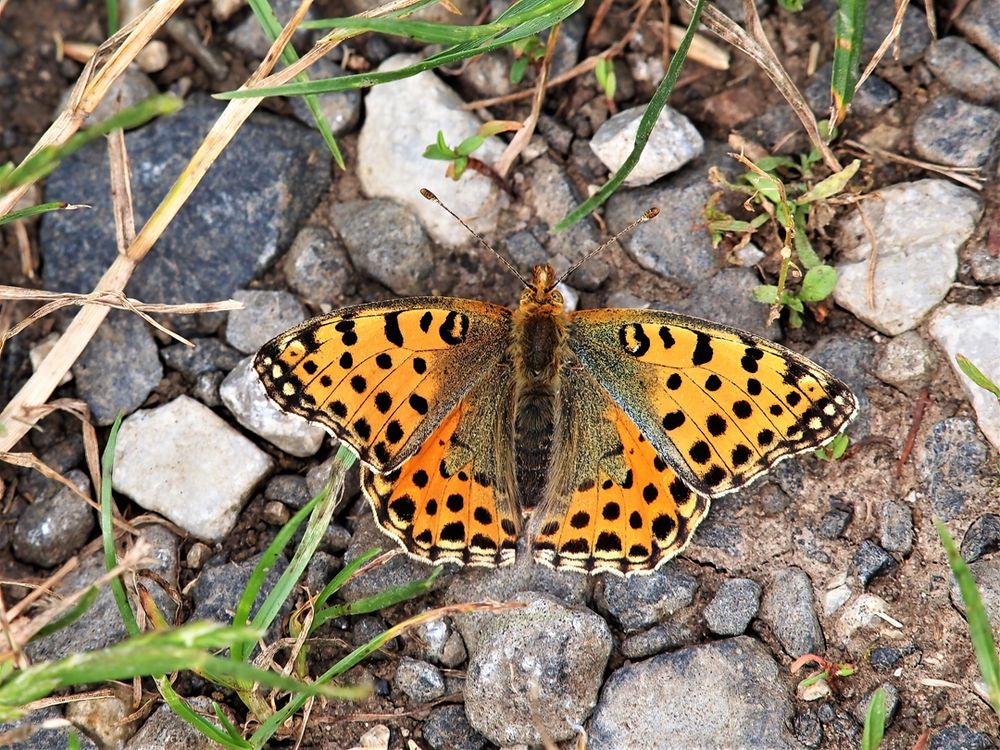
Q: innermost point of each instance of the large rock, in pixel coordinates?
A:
(534, 672)
(402, 118)
(725, 694)
(919, 228)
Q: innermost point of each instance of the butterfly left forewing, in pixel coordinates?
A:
(721, 406)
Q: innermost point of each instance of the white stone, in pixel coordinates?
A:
(244, 396)
(154, 57)
(672, 143)
(863, 612)
(402, 118)
(919, 228)
(974, 332)
(183, 461)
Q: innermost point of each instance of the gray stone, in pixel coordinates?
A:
(206, 388)
(119, 368)
(787, 608)
(265, 314)
(55, 527)
(835, 522)
(640, 601)
(534, 672)
(724, 694)
(954, 132)
(390, 157)
(340, 109)
(317, 268)
(906, 362)
(896, 527)
(385, 241)
(101, 625)
(974, 332)
(552, 194)
(871, 561)
(244, 212)
(914, 36)
(217, 590)
(289, 489)
(891, 704)
(919, 228)
(441, 643)
(964, 69)
(727, 298)
(249, 37)
(850, 359)
(953, 464)
(982, 537)
(132, 87)
(674, 245)
(985, 266)
(367, 627)
(245, 397)
(179, 460)
(207, 355)
(673, 142)
(978, 23)
(986, 574)
(421, 681)
(659, 638)
(32, 734)
(112, 720)
(874, 97)
(447, 728)
(885, 658)
(734, 605)
(166, 729)
(960, 737)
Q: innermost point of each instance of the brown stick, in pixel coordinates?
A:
(918, 416)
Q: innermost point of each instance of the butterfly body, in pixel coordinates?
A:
(602, 435)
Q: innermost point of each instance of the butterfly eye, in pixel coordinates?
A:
(557, 298)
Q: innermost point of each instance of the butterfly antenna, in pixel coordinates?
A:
(650, 214)
(510, 266)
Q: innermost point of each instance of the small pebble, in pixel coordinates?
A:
(317, 268)
(447, 728)
(659, 638)
(54, 528)
(421, 681)
(835, 522)
(885, 658)
(787, 607)
(264, 315)
(960, 737)
(198, 555)
(906, 362)
(955, 132)
(734, 605)
(206, 388)
(207, 355)
(154, 57)
(870, 561)
(275, 513)
(896, 527)
(982, 538)
(638, 602)
(290, 489)
(964, 69)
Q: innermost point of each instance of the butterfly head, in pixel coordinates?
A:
(542, 292)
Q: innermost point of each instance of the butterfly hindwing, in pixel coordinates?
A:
(453, 499)
(612, 503)
(382, 376)
(721, 406)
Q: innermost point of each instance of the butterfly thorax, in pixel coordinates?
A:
(536, 352)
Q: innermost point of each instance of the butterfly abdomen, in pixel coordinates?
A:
(537, 353)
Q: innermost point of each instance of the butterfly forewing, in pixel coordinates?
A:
(719, 405)
(382, 376)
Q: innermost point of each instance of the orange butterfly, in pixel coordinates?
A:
(611, 430)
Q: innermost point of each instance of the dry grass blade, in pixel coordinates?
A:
(121, 191)
(897, 24)
(968, 176)
(759, 50)
(522, 136)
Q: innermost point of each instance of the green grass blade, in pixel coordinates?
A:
(979, 622)
(847, 47)
(341, 578)
(45, 160)
(420, 31)
(272, 28)
(871, 736)
(108, 530)
(976, 375)
(113, 17)
(24, 213)
(210, 730)
(70, 617)
(377, 601)
(649, 117)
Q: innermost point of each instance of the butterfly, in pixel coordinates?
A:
(602, 435)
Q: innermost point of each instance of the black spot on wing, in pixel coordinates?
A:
(392, 333)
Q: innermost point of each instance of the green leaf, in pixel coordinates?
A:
(41, 208)
(831, 186)
(792, 302)
(980, 630)
(766, 293)
(803, 248)
(771, 164)
(458, 167)
(518, 68)
(871, 736)
(818, 283)
(766, 185)
(848, 43)
(469, 145)
(793, 6)
(108, 530)
(976, 375)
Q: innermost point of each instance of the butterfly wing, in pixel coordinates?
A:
(453, 499)
(720, 406)
(612, 503)
(383, 376)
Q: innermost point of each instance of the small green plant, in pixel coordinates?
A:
(871, 735)
(527, 52)
(976, 376)
(835, 449)
(788, 206)
(980, 630)
(827, 670)
(461, 156)
(604, 71)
